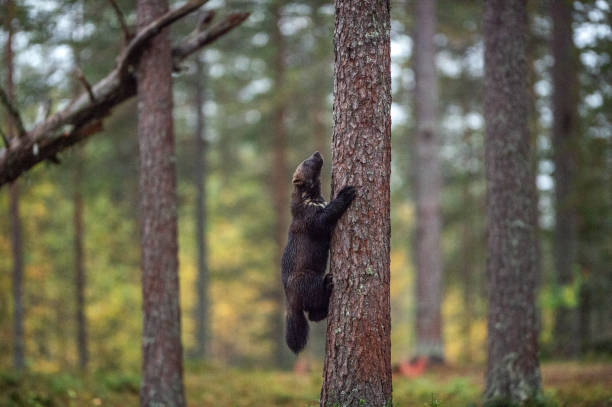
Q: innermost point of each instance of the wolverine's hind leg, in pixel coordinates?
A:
(317, 300)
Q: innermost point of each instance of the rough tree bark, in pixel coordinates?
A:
(512, 365)
(162, 353)
(427, 185)
(564, 101)
(200, 169)
(15, 217)
(280, 186)
(357, 367)
(79, 260)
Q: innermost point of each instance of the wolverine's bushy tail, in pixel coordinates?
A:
(297, 330)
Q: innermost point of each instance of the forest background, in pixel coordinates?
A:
(243, 84)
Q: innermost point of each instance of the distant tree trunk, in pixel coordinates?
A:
(162, 354)
(15, 218)
(280, 186)
(512, 365)
(79, 261)
(357, 369)
(467, 267)
(427, 183)
(202, 310)
(564, 81)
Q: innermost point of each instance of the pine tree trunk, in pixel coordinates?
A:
(15, 218)
(79, 261)
(281, 188)
(512, 365)
(202, 310)
(357, 367)
(428, 182)
(564, 101)
(162, 354)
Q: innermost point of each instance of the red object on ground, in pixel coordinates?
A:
(413, 368)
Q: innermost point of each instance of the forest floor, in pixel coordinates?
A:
(565, 384)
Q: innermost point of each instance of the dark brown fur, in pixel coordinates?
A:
(307, 287)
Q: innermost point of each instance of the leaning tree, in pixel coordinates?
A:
(84, 114)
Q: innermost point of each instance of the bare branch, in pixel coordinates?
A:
(193, 43)
(13, 112)
(132, 51)
(204, 19)
(85, 83)
(83, 115)
(127, 35)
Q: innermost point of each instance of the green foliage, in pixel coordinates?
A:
(210, 385)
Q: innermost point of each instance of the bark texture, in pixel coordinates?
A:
(280, 186)
(79, 262)
(512, 365)
(427, 184)
(15, 217)
(200, 169)
(564, 101)
(357, 369)
(162, 354)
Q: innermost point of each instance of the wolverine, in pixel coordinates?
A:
(306, 285)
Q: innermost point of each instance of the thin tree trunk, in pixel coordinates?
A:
(162, 354)
(564, 81)
(202, 310)
(281, 186)
(15, 218)
(468, 247)
(428, 182)
(513, 373)
(79, 261)
(357, 367)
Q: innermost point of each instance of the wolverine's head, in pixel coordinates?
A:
(307, 175)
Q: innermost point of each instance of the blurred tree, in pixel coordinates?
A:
(162, 353)
(79, 259)
(15, 217)
(78, 223)
(427, 185)
(279, 179)
(357, 367)
(200, 173)
(512, 374)
(565, 149)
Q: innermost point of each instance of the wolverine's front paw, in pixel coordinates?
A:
(347, 193)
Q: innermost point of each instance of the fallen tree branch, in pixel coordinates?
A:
(83, 116)
(13, 112)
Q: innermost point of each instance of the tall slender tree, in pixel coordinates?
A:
(200, 169)
(15, 217)
(162, 353)
(564, 101)
(79, 259)
(513, 373)
(279, 179)
(427, 184)
(357, 367)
